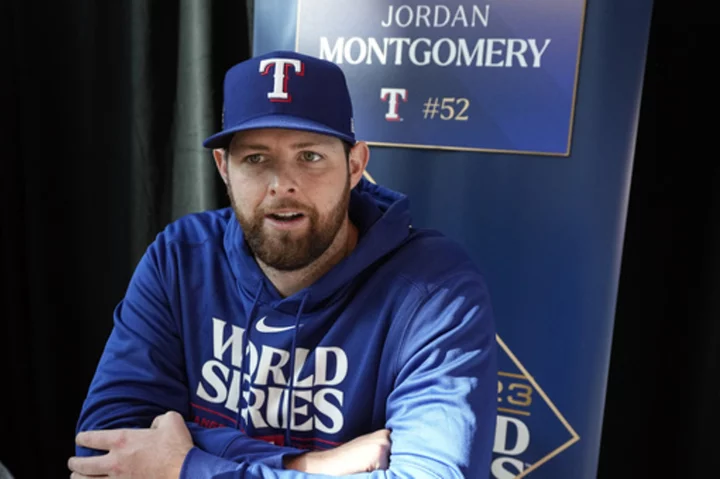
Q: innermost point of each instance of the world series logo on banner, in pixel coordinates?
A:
(530, 430)
(497, 75)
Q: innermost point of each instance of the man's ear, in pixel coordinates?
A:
(359, 157)
(221, 163)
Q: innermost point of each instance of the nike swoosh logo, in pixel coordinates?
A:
(264, 328)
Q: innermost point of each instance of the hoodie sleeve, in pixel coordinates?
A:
(141, 373)
(443, 409)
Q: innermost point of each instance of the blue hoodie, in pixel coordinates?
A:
(399, 335)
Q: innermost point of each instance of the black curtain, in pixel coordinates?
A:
(662, 416)
(104, 104)
(97, 158)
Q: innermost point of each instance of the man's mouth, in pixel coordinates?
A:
(285, 217)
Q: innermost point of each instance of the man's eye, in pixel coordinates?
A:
(310, 156)
(253, 159)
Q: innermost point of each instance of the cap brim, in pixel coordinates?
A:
(221, 139)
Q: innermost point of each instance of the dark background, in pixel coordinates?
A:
(86, 176)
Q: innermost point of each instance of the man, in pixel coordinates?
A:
(309, 329)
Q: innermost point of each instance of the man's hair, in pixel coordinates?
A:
(346, 147)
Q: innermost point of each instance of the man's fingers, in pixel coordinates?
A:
(168, 419)
(156, 422)
(174, 417)
(176, 422)
(102, 440)
(383, 444)
(95, 466)
(383, 463)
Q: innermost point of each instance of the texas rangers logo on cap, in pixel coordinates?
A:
(281, 66)
(289, 90)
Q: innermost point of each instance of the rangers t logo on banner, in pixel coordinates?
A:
(496, 75)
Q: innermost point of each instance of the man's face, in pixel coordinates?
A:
(290, 191)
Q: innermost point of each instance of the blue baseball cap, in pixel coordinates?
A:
(285, 89)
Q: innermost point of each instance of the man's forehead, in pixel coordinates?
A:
(268, 138)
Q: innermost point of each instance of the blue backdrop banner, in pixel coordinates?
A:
(551, 91)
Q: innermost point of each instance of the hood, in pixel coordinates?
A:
(382, 217)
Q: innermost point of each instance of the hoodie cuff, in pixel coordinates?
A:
(201, 464)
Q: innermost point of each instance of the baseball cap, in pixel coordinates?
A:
(285, 89)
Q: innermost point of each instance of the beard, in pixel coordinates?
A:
(284, 250)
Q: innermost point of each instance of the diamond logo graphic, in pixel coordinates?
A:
(530, 429)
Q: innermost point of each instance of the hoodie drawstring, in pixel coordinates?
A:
(292, 370)
(246, 357)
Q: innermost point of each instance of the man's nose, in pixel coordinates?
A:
(283, 182)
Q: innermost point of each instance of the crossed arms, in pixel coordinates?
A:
(440, 419)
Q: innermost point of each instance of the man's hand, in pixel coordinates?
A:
(158, 452)
(363, 454)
